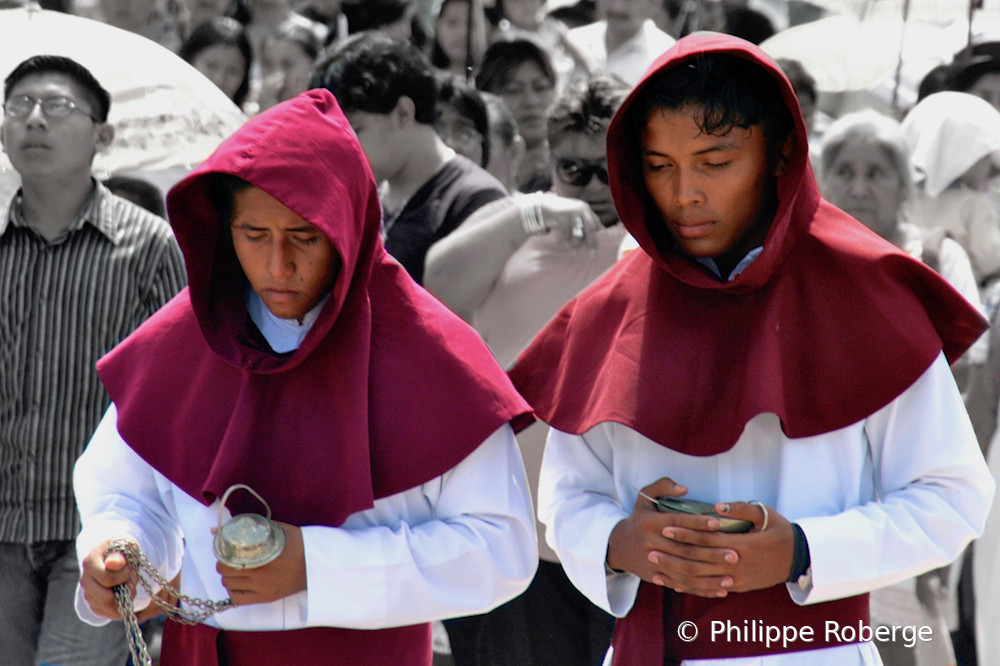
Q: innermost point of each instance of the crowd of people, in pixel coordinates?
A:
(481, 293)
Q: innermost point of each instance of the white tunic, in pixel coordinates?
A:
(882, 500)
(460, 544)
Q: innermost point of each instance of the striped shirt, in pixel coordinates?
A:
(63, 304)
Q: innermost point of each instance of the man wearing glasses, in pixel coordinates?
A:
(79, 269)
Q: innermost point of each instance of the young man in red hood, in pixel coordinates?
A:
(763, 352)
(305, 363)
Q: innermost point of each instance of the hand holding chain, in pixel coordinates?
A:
(142, 566)
(247, 541)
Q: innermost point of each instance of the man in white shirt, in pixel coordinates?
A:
(624, 42)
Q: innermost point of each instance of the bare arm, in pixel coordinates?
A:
(579, 57)
(462, 268)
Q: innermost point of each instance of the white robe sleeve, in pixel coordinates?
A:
(879, 501)
(578, 502)
(462, 543)
(935, 493)
(120, 496)
(478, 551)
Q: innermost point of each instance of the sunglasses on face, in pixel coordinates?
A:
(580, 172)
(21, 106)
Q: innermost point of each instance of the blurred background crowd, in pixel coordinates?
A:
(484, 122)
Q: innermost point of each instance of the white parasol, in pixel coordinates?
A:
(845, 54)
(940, 12)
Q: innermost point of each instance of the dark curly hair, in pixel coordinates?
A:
(370, 71)
(586, 107)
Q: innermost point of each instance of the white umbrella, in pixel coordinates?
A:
(168, 117)
(844, 54)
(941, 12)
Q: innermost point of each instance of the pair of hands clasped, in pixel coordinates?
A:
(284, 576)
(687, 553)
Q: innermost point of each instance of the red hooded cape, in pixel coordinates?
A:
(829, 324)
(387, 390)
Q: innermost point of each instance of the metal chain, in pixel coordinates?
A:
(142, 566)
(133, 634)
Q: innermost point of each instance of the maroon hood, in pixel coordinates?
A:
(387, 390)
(307, 157)
(829, 324)
(798, 195)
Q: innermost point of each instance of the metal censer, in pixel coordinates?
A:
(248, 540)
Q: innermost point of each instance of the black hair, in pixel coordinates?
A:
(64, 6)
(419, 33)
(300, 35)
(502, 58)
(139, 191)
(373, 14)
(370, 71)
(728, 91)
(937, 80)
(224, 31)
(968, 69)
(801, 80)
(586, 107)
(576, 15)
(240, 10)
(748, 24)
(438, 57)
(467, 102)
(500, 118)
(98, 98)
(494, 14)
(221, 190)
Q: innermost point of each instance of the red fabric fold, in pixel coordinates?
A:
(207, 646)
(828, 325)
(388, 389)
(650, 635)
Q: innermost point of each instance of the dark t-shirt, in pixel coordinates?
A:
(456, 191)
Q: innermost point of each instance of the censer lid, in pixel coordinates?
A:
(248, 540)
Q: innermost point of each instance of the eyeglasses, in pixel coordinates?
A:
(21, 106)
(580, 172)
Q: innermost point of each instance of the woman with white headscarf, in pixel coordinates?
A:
(953, 140)
(865, 171)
